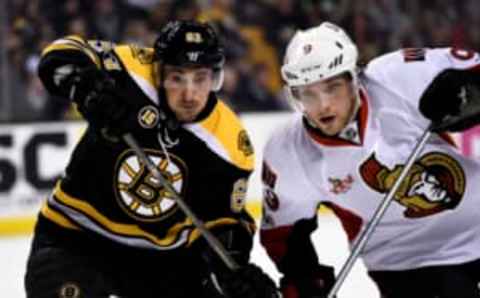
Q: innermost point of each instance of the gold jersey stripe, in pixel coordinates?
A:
(24, 225)
(133, 230)
(225, 127)
(209, 225)
(141, 72)
(57, 218)
(120, 228)
(126, 55)
(73, 43)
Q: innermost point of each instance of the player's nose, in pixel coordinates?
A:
(322, 105)
(189, 93)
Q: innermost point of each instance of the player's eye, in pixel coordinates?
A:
(201, 79)
(333, 87)
(176, 78)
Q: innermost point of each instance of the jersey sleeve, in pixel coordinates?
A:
(409, 72)
(62, 57)
(289, 208)
(230, 158)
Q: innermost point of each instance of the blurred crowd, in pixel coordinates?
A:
(254, 32)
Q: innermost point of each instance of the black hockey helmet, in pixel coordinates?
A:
(189, 43)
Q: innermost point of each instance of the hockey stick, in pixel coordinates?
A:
(379, 212)
(209, 237)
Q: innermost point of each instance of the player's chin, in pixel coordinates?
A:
(328, 129)
(187, 115)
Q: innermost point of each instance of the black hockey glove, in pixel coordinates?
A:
(247, 282)
(452, 101)
(102, 106)
(315, 285)
(100, 102)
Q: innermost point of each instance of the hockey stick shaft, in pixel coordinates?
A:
(377, 216)
(209, 237)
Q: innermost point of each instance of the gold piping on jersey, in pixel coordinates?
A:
(224, 134)
(81, 212)
(210, 225)
(115, 227)
(57, 218)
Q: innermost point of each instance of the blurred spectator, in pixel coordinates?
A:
(145, 4)
(289, 16)
(108, 18)
(184, 10)
(254, 32)
(137, 30)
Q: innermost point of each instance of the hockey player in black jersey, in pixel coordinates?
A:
(110, 228)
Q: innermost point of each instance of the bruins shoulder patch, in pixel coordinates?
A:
(144, 55)
(244, 143)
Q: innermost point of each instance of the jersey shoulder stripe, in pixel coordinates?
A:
(73, 43)
(225, 135)
(139, 64)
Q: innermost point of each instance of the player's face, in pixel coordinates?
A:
(329, 104)
(187, 90)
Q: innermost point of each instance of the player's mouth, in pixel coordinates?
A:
(327, 120)
(189, 107)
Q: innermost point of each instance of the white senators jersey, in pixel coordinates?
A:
(434, 218)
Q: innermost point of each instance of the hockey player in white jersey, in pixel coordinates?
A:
(355, 130)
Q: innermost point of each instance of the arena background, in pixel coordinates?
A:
(38, 132)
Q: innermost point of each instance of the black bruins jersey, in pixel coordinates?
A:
(107, 190)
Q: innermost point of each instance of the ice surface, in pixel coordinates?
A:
(329, 240)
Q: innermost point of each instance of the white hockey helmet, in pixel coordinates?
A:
(317, 54)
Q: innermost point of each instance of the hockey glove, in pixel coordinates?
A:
(100, 103)
(317, 285)
(452, 101)
(247, 282)
(103, 106)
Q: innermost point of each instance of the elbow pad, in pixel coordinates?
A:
(62, 60)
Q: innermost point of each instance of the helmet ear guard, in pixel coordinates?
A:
(293, 99)
(218, 77)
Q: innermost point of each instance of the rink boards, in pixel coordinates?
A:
(33, 156)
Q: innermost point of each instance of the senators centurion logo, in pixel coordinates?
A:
(140, 194)
(435, 183)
